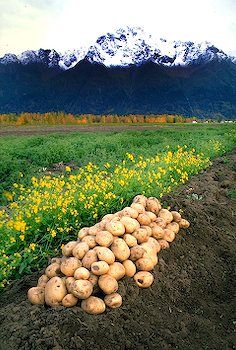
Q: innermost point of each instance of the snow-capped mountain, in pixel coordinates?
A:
(126, 46)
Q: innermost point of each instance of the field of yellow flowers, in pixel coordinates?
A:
(40, 216)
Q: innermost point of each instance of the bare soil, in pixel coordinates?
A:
(191, 304)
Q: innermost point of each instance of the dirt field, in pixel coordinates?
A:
(190, 305)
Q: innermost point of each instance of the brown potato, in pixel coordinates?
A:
(141, 235)
(154, 243)
(42, 281)
(89, 258)
(36, 295)
(120, 249)
(69, 300)
(55, 291)
(81, 274)
(169, 235)
(99, 268)
(93, 305)
(176, 216)
(161, 222)
(148, 229)
(56, 260)
(67, 248)
(104, 238)
(80, 250)
(93, 279)
(152, 256)
(140, 199)
(157, 231)
(136, 252)
(82, 289)
(83, 232)
(164, 244)
(184, 223)
(100, 225)
(173, 226)
(116, 270)
(69, 282)
(139, 207)
(113, 300)
(144, 219)
(105, 254)
(144, 264)
(108, 284)
(166, 215)
(53, 270)
(151, 215)
(130, 240)
(93, 230)
(69, 265)
(108, 217)
(153, 205)
(128, 211)
(116, 228)
(90, 240)
(143, 279)
(130, 224)
(130, 268)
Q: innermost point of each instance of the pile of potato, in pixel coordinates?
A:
(117, 246)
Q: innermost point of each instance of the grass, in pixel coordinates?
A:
(41, 210)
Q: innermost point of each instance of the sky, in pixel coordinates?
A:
(68, 24)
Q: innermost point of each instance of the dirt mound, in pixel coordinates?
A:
(189, 306)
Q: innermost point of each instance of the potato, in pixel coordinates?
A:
(93, 279)
(139, 207)
(104, 238)
(136, 252)
(69, 265)
(69, 300)
(144, 264)
(100, 225)
(80, 250)
(93, 230)
(166, 215)
(108, 284)
(176, 216)
(141, 235)
(152, 256)
(140, 199)
(67, 248)
(82, 289)
(184, 223)
(108, 217)
(90, 240)
(69, 281)
(120, 249)
(128, 211)
(36, 295)
(55, 291)
(42, 281)
(154, 243)
(161, 222)
(169, 235)
(105, 254)
(116, 270)
(164, 244)
(157, 231)
(130, 224)
(153, 205)
(89, 258)
(151, 215)
(53, 270)
(144, 219)
(173, 226)
(148, 229)
(143, 279)
(81, 274)
(113, 300)
(56, 260)
(83, 232)
(93, 305)
(130, 240)
(99, 268)
(130, 268)
(116, 228)
(149, 248)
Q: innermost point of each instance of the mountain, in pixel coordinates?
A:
(125, 72)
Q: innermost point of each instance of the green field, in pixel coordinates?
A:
(53, 185)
